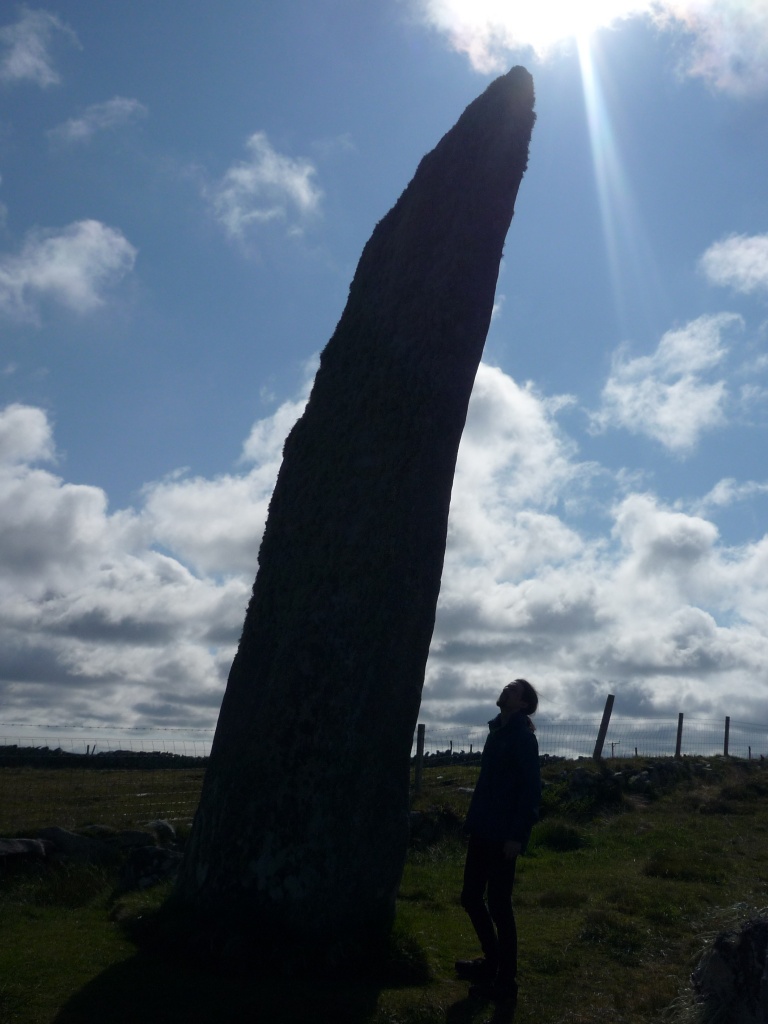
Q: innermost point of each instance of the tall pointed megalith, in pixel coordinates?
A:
(302, 826)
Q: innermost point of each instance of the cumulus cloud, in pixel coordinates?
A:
(25, 48)
(727, 39)
(264, 187)
(25, 435)
(132, 616)
(72, 266)
(488, 31)
(739, 261)
(524, 471)
(99, 117)
(658, 541)
(728, 492)
(216, 525)
(657, 609)
(94, 619)
(666, 396)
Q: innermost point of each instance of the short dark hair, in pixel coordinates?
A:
(530, 696)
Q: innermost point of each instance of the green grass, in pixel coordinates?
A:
(617, 897)
(71, 797)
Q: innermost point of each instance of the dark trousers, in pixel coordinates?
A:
(487, 870)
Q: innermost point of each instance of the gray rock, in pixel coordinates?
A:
(76, 847)
(23, 849)
(129, 838)
(163, 831)
(731, 979)
(147, 866)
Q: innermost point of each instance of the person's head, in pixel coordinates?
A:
(518, 695)
(530, 697)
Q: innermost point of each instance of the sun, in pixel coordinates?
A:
(489, 30)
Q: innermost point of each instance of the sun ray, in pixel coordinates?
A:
(628, 250)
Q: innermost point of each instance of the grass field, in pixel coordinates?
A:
(33, 798)
(619, 894)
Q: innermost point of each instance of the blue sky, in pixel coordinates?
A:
(185, 190)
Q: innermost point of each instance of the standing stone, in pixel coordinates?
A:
(302, 827)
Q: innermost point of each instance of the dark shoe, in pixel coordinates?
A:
(478, 969)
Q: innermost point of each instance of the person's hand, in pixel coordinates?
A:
(512, 849)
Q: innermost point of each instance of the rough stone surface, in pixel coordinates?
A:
(732, 978)
(74, 846)
(18, 850)
(163, 830)
(147, 865)
(142, 862)
(302, 827)
(95, 843)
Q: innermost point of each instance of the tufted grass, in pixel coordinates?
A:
(620, 891)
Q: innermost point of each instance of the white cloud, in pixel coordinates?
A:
(95, 622)
(665, 396)
(72, 266)
(216, 525)
(662, 613)
(50, 532)
(512, 459)
(264, 444)
(727, 39)
(266, 186)
(132, 616)
(489, 30)
(25, 435)
(739, 261)
(25, 48)
(659, 541)
(728, 491)
(99, 117)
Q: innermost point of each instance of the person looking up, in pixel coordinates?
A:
(503, 809)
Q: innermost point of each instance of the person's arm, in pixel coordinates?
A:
(529, 793)
(512, 848)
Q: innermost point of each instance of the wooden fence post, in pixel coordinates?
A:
(727, 731)
(679, 742)
(598, 752)
(420, 729)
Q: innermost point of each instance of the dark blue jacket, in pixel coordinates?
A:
(506, 800)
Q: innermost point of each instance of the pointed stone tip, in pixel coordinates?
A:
(519, 77)
(520, 71)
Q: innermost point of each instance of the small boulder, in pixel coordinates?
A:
(130, 838)
(732, 977)
(163, 831)
(18, 851)
(148, 865)
(75, 847)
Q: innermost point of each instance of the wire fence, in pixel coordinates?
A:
(626, 737)
(126, 778)
(102, 741)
